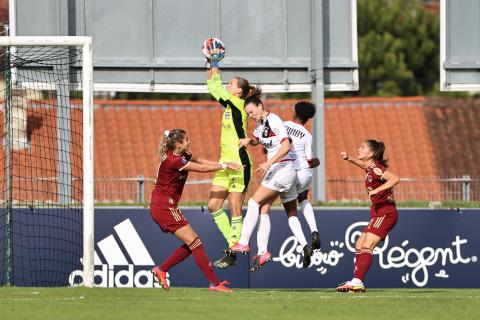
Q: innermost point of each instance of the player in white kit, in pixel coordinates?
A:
(278, 177)
(301, 147)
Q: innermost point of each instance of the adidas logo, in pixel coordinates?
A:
(118, 271)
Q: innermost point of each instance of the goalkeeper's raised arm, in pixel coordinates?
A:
(229, 183)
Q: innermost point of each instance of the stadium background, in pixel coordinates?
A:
(432, 144)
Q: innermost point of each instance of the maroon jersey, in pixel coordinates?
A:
(373, 180)
(170, 179)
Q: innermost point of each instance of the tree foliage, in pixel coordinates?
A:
(398, 48)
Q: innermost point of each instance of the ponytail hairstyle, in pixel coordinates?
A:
(247, 89)
(304, 110)
(255, 100)
(168, 142)
(378, 148)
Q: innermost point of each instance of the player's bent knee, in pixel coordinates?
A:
(214, 205)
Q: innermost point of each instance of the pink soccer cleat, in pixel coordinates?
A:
(220, 287)
(260, 260)
(161, 277)
(238, 248)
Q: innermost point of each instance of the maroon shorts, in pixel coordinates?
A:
(384, 218)
(169, 217)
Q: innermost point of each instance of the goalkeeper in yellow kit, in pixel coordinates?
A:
(229, 183)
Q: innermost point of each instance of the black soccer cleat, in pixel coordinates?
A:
(227, 261)
(316, 240)
(307, 256)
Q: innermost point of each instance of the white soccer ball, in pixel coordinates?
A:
(209, 43)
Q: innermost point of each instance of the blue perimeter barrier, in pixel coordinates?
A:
(427, 248)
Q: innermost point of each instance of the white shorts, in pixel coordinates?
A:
(280, 177)
(303, 180)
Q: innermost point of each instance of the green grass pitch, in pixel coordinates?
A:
(194, 303)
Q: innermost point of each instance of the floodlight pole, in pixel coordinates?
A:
(316, 71)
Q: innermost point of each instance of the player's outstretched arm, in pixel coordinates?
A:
(203, 161)
(357, 162)
(214, 166)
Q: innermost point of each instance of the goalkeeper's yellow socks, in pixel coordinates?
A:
(235, 230)
(223, 223)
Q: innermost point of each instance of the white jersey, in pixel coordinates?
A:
(301, 144)
(270, 132)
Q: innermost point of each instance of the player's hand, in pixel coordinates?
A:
(371, 193)
(344, 155)
(314, 162)
(242, 143)
(217, 51)
(234, 166)
(263, 168)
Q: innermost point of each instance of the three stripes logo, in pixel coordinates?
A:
(119, 271)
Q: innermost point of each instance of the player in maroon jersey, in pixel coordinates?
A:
(175, 163)
(379, 183)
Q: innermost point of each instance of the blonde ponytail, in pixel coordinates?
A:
(168, 141)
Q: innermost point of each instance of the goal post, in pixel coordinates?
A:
(87, 188)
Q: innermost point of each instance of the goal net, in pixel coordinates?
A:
(46, 168)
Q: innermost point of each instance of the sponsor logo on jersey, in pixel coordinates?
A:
(377, 171)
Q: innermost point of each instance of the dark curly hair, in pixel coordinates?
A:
(304, 110)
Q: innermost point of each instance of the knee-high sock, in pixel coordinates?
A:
(235, 230)
(358, 252)
(202, 261)
(223, 223)
(263, 233)
(250, 221)
(180, 254)
(296, 228)
(363, 263)
(309, 215)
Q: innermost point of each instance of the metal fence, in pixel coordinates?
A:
(138, 189)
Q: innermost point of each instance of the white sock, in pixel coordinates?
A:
(356, 281)
(249, 222)
(309, 215)
(296, 228)
(263, 233)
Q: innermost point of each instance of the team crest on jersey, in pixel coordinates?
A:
(227, 115)
(377, 171)
(267, 132)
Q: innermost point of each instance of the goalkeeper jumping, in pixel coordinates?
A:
(229, 183)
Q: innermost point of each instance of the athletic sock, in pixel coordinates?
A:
(235, 230)
(202, 261)
(221, 220)
(296, 228)
(263, 233)
(363, 263)
(180, 254)
(309, 215)
(249, 222)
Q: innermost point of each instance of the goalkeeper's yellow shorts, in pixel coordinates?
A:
(233, 180)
